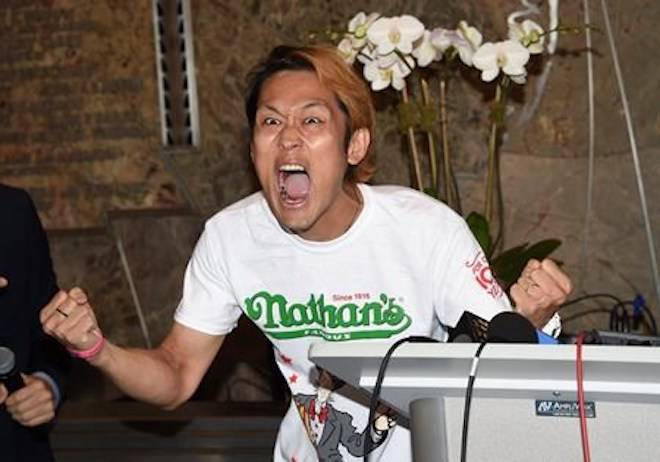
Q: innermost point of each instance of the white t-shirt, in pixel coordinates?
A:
(408, 266)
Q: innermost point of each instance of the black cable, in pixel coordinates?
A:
(375, 395)
(654, 325)
(619, 321)
(590, 296)
(640, 303)
(574, 316)
(619, 318)
(468, 402)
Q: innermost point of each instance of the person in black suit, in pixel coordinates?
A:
(27, 282)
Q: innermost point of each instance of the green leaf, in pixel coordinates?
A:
(481, 230)
(431, 192)
(542, 249)
(508, 265)
(512, 253)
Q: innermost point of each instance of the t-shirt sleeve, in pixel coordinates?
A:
(463, 280)
(208, 304)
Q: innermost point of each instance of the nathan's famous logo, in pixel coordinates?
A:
(367, 319)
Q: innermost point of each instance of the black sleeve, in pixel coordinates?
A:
(47, 354)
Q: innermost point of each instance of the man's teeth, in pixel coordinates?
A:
(292, 168)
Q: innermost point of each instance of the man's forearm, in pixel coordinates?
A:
(151, 376)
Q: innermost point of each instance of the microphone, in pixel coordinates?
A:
(469, 329)
(9, 376)
(511, 327)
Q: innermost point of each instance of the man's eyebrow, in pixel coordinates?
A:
(307, 105)
(315, 103)
(270, 108)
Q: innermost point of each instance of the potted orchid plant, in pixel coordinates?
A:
(391, 50)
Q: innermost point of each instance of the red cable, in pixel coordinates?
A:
(580, 386)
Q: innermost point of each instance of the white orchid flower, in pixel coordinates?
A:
(397, 33)
(509, 56)
(529, 34)
(367, 53)
(425, 52)
(443, 39)
(346, 50)
(467, 40)
(388, 70)
(531, 9)
(519, 79)
(358, 27)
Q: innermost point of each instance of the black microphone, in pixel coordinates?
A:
(470, 328)
(512, 327)
(9, 376)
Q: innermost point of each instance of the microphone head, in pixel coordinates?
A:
(511, 327)
(469, 329)
(462, 338)
(7, 361)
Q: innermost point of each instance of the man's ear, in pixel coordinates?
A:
(251, 152)
(358, 146)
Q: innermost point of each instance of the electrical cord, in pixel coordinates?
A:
(654, 325)
(571, 317)
(619, 320)
(375, 395)
(468, 400)
(591, 296)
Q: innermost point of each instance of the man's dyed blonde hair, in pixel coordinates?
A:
(352, 93)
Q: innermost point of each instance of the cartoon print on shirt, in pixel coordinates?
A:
(328, 427)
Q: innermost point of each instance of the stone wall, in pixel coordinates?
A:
(80, 111)
(132, 262)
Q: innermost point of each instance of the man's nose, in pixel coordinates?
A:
(290, 137)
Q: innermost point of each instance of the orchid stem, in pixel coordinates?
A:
(449, 184)
(412, 144)
(426, 98)
(561, 30)
(492, 155)
(493, 212)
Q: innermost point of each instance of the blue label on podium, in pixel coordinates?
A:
(556, 408)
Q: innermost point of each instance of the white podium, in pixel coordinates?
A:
(524, 398)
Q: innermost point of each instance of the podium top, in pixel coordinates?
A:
(417, 370)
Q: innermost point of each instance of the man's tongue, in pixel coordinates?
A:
(296, 186)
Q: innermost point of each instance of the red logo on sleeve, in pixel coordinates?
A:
(483, 275)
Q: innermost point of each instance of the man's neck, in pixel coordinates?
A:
(347, 210)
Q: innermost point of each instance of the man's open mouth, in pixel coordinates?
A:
(293, 183)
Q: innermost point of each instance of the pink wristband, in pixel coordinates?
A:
(90, 352)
